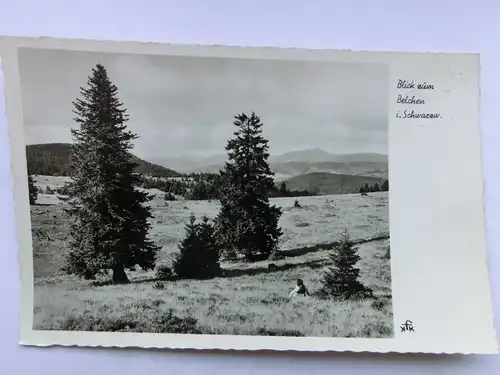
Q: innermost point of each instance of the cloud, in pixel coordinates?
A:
(182, 105)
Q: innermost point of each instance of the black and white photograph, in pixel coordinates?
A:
(207, 195)
(247, 198)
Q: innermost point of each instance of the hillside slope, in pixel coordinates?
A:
(292, 169)
(329, 183)
(53, 159)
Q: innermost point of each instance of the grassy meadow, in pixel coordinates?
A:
(250, 299)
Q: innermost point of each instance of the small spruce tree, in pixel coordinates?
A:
(247, 223)
(110, 219)
(198, 257)
(341, 280)
(32, 189)
(283, 190)
(385, 186)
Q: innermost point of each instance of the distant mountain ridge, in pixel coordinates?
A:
(295, 163)
(53, 159)
(214, 162)
(317, 155)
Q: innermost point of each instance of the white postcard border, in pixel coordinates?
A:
(438, 247)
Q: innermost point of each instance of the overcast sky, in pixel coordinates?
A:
(186, 105)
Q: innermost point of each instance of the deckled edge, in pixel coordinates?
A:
(5, 40)
(160, 44)
(483, 196)
(4, 51)
(259, 350)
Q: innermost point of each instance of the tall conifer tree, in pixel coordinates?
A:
(110, 219)
(247, 223)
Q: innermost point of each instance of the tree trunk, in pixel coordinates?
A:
(119, 275)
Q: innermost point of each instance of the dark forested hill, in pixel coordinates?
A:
(53, 159)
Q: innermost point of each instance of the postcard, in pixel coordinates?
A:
(247, 198)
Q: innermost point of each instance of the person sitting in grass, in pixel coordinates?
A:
(300, 290)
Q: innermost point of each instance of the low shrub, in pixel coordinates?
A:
(387, 254)
(164, 273)
(169, 197)
(158, 285)
(264, 331)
